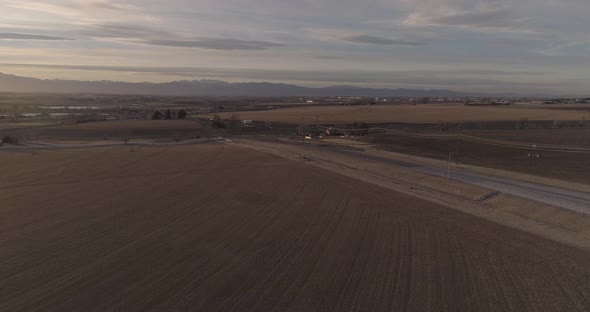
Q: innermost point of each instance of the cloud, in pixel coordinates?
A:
(107, 5)
(72, 13)
(116, 30)
(327, 35)
(16, 36)
(214, 44)
(558, 49)
(368, 39)
(334, 75)
(146, 35)
(338, 35)
(486, 17)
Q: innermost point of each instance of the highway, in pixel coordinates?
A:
(567, 199)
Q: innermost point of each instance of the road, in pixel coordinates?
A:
(567, 199)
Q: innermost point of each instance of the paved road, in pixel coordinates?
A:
(567, 199)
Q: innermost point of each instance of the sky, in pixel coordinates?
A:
(499, 46)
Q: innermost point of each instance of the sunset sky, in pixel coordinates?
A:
(524, 46)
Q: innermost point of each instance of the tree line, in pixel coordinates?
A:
(168, 115)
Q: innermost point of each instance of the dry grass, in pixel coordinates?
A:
(7, 124)
(411, 114)
(115, 130)
(204, 229)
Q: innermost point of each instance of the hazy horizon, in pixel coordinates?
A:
(491, 46)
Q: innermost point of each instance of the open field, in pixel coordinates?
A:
(133, 125)
(7, 124)
(133, 129)
(212, 229)
(576, 137)
(569, 166)
(409, 114)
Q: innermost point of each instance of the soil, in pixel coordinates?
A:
(203, 228)
(406, 114)
(568, 166)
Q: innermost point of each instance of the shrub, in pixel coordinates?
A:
(217, 122)
(523, 123)
(10, 140)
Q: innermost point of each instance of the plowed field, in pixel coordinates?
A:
(202, 228)
(407, 114)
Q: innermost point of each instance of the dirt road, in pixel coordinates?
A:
(204, 229)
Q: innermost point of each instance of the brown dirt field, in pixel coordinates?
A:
(114, 130)
(204, 229)
(134, 125)
(26, 124)
(578, 137)
(567, 166)
(410, 114)
(539, 219)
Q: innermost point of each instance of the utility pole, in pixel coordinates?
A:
(449, 166)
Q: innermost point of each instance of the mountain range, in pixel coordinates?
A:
(12, 83)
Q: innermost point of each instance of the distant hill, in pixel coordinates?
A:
(12, 83)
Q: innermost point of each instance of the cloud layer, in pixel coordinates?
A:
(14, 36)
(368, 39)
(467, 44)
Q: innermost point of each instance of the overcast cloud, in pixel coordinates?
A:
(13, 36)
(467, 45)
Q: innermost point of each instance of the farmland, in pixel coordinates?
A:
(570, 166)
(112, 130)
(406, 113)
(576, 137)
(215, 229)
(132, 125)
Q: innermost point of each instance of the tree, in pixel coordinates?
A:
(168, 114)
(443, 126)
(234, 121)
(523, 123)
(361, 128)
(424, 100)
(302, 130)
(217, 122)
(181, 114)
(157, 115)
(177, 136)
(10, 140)
(364, 128)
